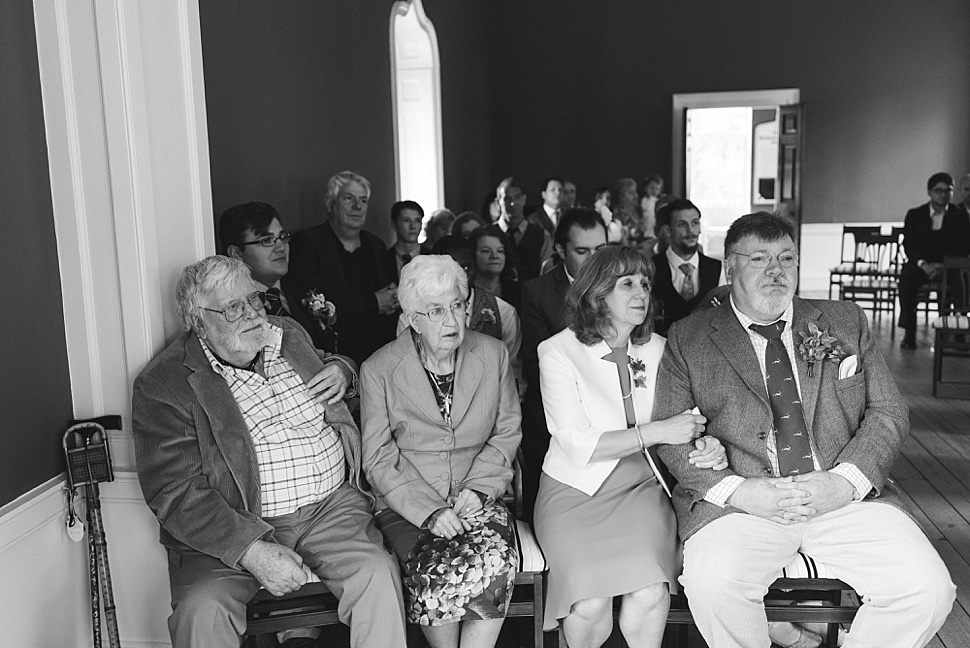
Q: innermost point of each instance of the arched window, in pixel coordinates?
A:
(416, 88)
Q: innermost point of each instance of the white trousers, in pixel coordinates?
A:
(905, 588)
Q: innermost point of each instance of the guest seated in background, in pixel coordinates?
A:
(603, 517)
(253, 234)
(653, 189)
(684, 273)
(441, 428)
(406, 217)
(547, 216)
(965, 193)
(466, 223)
(637, 232)
(810, 445)
(930, 232)
(439, 226)
(580, 233)
(494, 269)
(601, 205)
(344, 262)
(251, 463)
(529, 244)
(567, 200)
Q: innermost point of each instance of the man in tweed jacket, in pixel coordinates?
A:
(741, 526)
(251, 463)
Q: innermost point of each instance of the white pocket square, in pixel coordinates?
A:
(848, 367)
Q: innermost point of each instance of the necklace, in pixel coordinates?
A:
(444, 388)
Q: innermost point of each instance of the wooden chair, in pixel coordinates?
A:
(952, 327)
(314, 604)
(873, 283)
(803, 581)
(851, 263)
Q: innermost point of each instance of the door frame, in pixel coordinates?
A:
(731, 99)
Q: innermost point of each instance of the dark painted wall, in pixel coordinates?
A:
(299, 90)
(886, 87)
(35, 390)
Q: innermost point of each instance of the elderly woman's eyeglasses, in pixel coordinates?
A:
(237, 309)
(438, 313)
(762, 260)
(268, 241)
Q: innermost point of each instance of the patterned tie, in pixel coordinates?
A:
(791, 434)
(688, 291)
(274, 305)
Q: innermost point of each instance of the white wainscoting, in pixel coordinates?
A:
(821, 250)
(45, 600)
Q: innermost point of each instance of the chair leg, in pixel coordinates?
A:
(538, 609)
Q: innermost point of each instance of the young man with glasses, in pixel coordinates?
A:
(252, 464)
(930, 232)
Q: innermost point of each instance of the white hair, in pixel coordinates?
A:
(428, 276)
(200, 280)
(341, 180)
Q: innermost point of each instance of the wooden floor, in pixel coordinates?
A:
(934, 470)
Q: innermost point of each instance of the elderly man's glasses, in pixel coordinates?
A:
(268, 240)
(438, 313)
(761, 260)
(237, 309)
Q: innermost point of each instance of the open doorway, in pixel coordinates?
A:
(726, 156)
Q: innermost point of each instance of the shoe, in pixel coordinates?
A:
(300, 642)
(909, 340)
(806, 639)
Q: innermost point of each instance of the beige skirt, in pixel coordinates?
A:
(619, 540)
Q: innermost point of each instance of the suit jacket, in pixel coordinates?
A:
(710, 363)
(315, 264)
(921, 242)
(675, 307)
(543, 315)
(413, 459)
(195, 457)
(582, 398)
(540, 218)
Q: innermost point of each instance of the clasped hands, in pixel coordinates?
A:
(387, 302)
(447, 522)
(789, 500)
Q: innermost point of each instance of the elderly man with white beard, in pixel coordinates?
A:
(252, 465)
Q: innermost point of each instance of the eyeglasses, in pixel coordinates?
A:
(268, 241)
(438, 313)
(762, 260)
(237, 309)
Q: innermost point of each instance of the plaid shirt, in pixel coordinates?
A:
(720, 492)
(300, 457)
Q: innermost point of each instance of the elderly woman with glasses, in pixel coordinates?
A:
(440, 418)
(603, 514)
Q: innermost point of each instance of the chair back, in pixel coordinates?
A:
(875, 253)
(955, 295)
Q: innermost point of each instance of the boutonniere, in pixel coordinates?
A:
(323, 312)
(639, 371)
(818, 346)
(488, 315)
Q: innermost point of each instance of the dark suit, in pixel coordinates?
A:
(731, 556)
(317, 263)
(540, 218)
(543, 314)
(296, 310)
(675, 307)
(527, 252)
(921, 243)
(198, 471)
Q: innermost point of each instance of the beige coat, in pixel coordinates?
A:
(412, 459)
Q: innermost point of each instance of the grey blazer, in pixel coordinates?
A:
(710, 363)
(194, 453)
(413, 460)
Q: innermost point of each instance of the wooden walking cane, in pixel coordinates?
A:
(89, 462)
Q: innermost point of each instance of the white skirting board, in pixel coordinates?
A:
(45, 600)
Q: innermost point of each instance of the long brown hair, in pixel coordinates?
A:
(587, 314)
